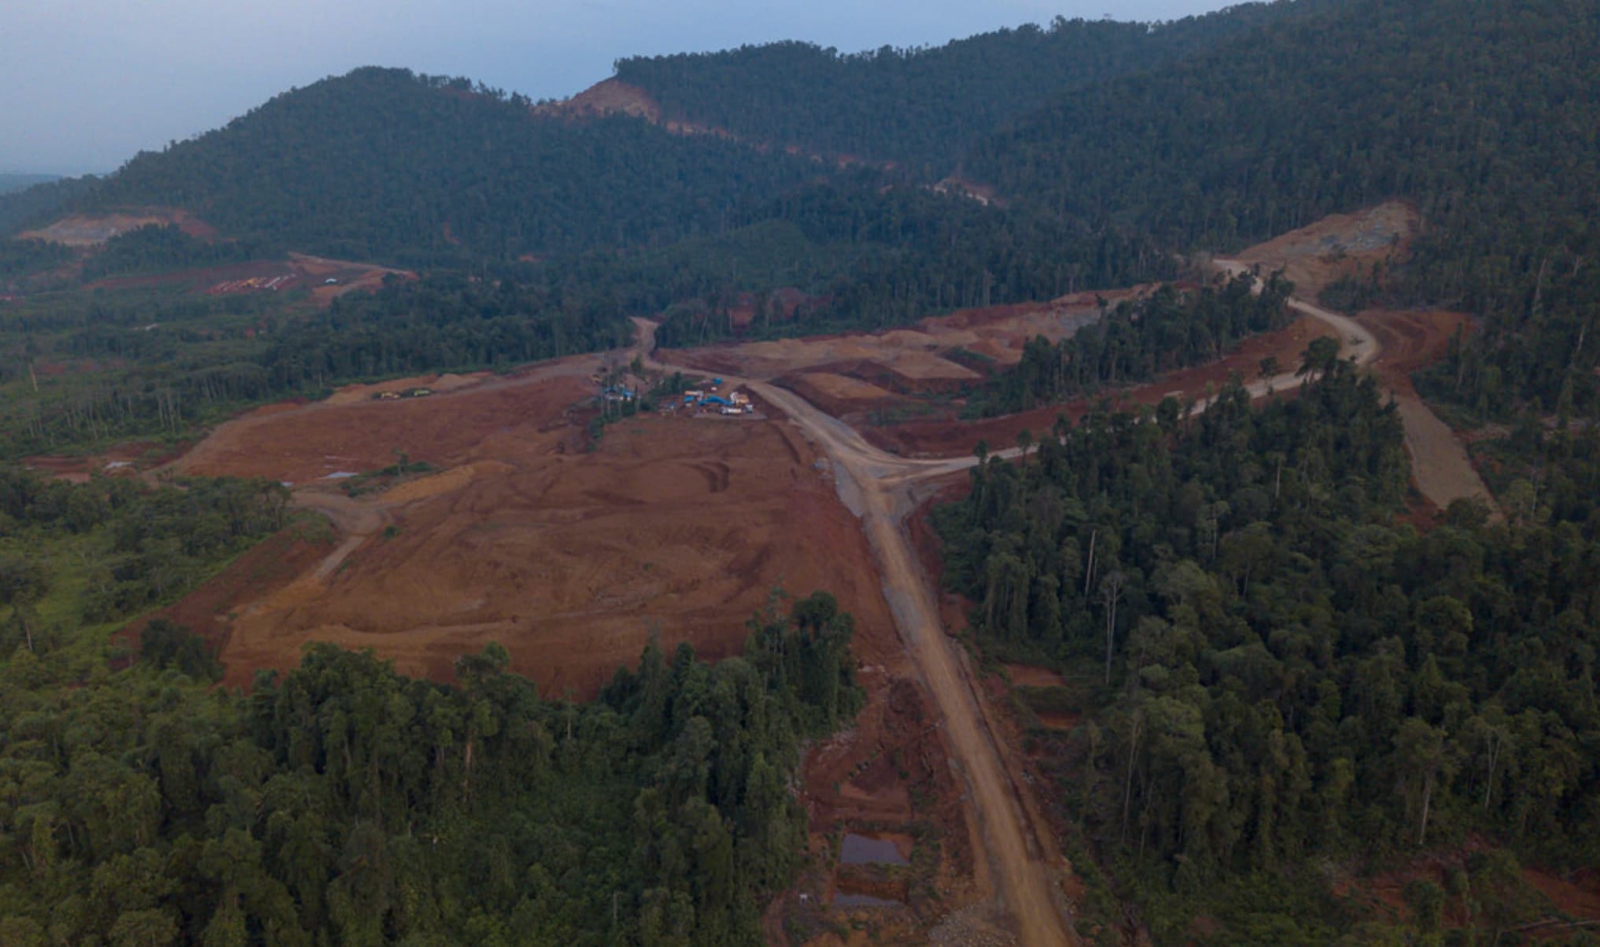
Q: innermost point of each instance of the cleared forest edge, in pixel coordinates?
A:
(1349, 246)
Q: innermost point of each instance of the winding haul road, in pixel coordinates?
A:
(877, 487)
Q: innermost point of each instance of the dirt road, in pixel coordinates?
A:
(358, 522)
(875, 486)
(1440, 467)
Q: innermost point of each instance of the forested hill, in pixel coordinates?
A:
(919, 107)
(1484, 114)
(384, 164)
(39, 201)
(16, 182)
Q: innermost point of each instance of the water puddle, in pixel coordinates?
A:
(340, 475)
(871, 850)
(863, 901)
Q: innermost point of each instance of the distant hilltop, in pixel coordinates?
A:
(17, 182)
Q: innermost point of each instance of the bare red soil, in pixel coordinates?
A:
(917, 358)
(1556, 897)
(677, 527)
(947, 436)
(123, 459)
(260, 572)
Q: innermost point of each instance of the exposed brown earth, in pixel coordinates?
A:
(560, 554)
(90, 230)
(297, 272)
(944, 435)
(676, 526)
(1411, 340)
(609, 97)
(914, 357)
(615, 97)
(1338, 245)
(1559, 903)
(1350, 245)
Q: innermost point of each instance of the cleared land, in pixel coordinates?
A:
(297, 272)
(1350, 245)
(1340, 245)
(84, 230)
(570, 558)
(912, 359)
(526, 538)
(943, 435)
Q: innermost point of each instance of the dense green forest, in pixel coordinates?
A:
(41, 203)
(344, 803)
(155, 248)
(918, 107)
(879, 258)
(382, 164)
(1484, 115)
(19, 182)
(92, 553)
(1137, 340)
(1281, 671)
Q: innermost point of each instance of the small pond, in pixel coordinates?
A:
(871, 850)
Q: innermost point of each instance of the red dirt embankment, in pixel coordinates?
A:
(914, 358)
(1351, 245)
(943, 437)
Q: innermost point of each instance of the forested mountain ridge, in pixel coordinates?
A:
(17, 182)
(417, 170)
(918, 107)
(1484, 115)
(384, 164)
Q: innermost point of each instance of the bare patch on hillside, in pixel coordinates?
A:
(1340, 245)
(932, 354)
(92, 230)
(325, 279)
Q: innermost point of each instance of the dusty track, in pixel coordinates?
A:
(875, 486)
(1440, 467)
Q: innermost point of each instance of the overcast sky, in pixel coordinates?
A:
(85, 84)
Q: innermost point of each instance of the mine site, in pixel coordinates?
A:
(854, 481)
(468, 509)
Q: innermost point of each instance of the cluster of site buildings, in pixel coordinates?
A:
(708, 399)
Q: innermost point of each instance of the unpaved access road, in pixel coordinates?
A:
(1026, 876)
(1439, 463)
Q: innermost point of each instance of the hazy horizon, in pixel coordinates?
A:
(87, 84)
